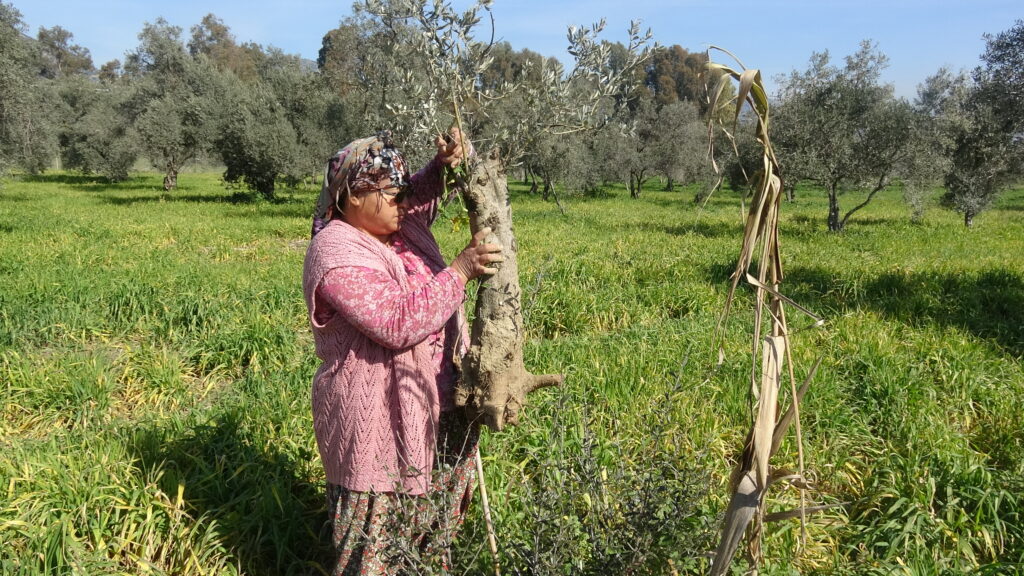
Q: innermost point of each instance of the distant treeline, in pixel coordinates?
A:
(272, 118)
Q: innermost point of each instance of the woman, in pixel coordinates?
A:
(386, 315)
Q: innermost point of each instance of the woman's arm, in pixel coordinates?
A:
(427, 185)
(375, 304)
(425, 191)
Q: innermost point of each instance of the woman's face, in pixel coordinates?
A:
(377, 211)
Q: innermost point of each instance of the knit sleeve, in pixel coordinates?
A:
(376, 305)
(425, 193)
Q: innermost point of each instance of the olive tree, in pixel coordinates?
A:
(982, 119)
(256, 141)
(370, 66)
(982, 163)
(680, 144)
(59, 56)
(632, 150)
(1001, 77)
(280, 126)
(175, 99)
(27, 128)
(97, 135)
(494, 379)
(844, 130)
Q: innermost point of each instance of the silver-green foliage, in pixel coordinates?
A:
(97, 136)
(27, 128)
(844, 130)
(454, 55)
(175, 99)
(279, 126)
(980, 120)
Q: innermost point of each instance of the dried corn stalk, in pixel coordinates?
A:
(771, 352)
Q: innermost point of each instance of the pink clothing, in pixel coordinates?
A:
(385, 321)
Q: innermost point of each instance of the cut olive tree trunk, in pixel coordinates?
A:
(494, 381)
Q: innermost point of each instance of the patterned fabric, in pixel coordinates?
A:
(384, 533)
(387, 322)
(374, 407)
(360, 165)
(397, 320)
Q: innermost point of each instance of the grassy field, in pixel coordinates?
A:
(155, 365)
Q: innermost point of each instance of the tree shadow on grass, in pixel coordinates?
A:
(267, 512)
(804, 220)
(290, 203)
(684, 199)
(703, 228)
(989, 304)
(169, 197)
(90, 182)
(719, 273)
(858, 220)
(820, 223)
(6, 196)
(290, 209)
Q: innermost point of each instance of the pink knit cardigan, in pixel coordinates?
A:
(375, 404)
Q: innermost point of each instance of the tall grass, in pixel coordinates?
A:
(155, 366)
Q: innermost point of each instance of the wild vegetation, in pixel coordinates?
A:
(156, 370)
(155, 359)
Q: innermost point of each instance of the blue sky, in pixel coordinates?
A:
(776, 36)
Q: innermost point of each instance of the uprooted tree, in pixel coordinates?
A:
(437, 44)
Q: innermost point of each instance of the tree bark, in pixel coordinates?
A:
(882, 183)
(968, 219)
(834, 224)
(494, 382)
(171, 178)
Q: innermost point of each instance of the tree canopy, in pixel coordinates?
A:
(980, 120)
(844, 130)
(206, 96)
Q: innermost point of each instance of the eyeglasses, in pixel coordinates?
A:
(390, 193)
(396, 193)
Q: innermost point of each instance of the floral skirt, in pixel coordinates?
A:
(384, 533)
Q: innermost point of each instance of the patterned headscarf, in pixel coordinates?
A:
(360, 165)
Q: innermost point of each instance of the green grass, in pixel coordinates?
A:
(155, 363)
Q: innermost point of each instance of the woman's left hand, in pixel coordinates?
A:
(449, 148)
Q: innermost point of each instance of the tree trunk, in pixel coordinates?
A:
(834, 224)
(968, 219)
(670, 186)
(554, 194)
(171, 178)
(494, 381)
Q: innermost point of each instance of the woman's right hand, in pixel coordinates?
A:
(450, 148)
(475, 259)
